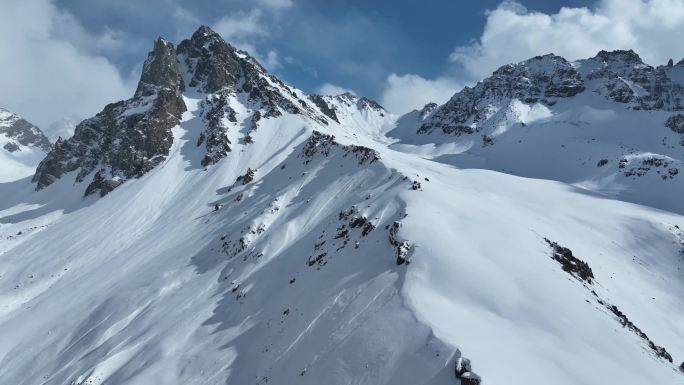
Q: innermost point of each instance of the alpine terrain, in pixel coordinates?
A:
(223, 227)
(22, 146)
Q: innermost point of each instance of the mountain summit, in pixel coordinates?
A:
(22, 145)
(129, 138)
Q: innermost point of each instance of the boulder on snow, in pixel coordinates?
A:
(675, 123)
(461, 366)
(463, 371)
(248, 177)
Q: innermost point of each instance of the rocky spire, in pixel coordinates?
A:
(126, 139)
(160, 71)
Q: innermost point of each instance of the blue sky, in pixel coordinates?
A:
(72, 56)
(355, 44)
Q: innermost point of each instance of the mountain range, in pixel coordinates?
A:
(223, 227)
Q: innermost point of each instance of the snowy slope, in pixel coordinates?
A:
(22, 146)
(284, 261)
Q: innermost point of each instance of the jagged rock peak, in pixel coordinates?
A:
(542, 64)
(365, 102)
(210, 62)
(160, 71)
(20, 132)
(624, 56)
(541, 79)
(128, 138)
(427, 109)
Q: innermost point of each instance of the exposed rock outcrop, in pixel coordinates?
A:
(128, 138)
(620, 76)
(323, 145)
(542, 79)
(571, 264)
(463, 370)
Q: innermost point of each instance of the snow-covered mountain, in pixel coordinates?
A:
(22, 146)
(222, 227)
(610, 124)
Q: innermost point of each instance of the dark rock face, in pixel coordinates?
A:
(659, 351)
(323, 145)
(215, 109)
(463, 371)
(214, 65)
(620, 76)
(402, 248)
(659, 165)
(247, 178)
(541, 79)
(364, 102)
(675, 123)
(21, 133)
(427, 109)
(160, 71)
(128, 138)
(211, 62)
(216, 68)
(623, 77)
(324, 107)
(571, 264)
(11, 147)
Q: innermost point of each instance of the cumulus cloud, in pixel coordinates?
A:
(333, 89)
(272, 60)
(404, 93)
(245, 29)
(512, 33)
(44, 75)
(276, 4)
(241, 25)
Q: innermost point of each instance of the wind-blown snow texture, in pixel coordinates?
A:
(270, 241)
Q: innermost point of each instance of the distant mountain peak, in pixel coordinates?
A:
(21, 133)
(625, 56)
(620, 76)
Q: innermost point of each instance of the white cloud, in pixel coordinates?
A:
(244, 30)
(404, 93)
(332, 89)
(512, 33)
(272, 60)
(240, 26)
(45, 76)
(276, 4)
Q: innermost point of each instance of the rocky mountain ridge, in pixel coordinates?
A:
(130, 137)
(618, 76)
(19, 133)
